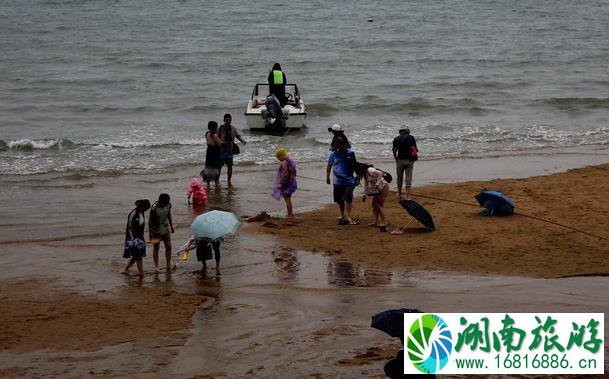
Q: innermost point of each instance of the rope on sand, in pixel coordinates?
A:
(520, 214)
(517, 213)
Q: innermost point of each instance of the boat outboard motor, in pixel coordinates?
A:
(275, 117)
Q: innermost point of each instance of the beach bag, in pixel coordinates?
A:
(387, 176)
(414, 153)
(373, 191)
(210, 174)
(134, 248)
(236, 149)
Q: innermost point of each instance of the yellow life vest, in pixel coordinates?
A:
(277, 77)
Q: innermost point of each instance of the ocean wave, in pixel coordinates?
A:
(372, 103)
(83, 108)
(149, 144)
(36, 144)
(321, 109)
(81, 81)
(576, 103)
(479, 84)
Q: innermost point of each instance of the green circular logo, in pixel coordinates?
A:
(429, 344)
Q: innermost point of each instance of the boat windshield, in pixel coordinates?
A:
(261, 91)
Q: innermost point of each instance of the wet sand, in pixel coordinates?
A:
(274, 309)
(529, 243)
(37, 314)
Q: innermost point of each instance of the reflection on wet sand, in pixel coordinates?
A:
(275, 311)
(346, 274)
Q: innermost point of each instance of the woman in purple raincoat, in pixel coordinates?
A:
(285, 183)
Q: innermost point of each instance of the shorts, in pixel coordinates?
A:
(226, 157)
(343, 193)
(165, 238)
(204, 250)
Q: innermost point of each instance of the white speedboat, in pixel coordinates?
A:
(260, 116)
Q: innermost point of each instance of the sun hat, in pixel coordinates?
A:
(281, 153)
(335, 128)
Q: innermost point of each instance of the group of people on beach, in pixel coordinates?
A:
(347, 173)
(343, 171)
(221, 149)
(160, 228)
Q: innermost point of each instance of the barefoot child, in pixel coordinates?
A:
(135, 250)
(160, 226)
(285, 183)
(204, 248)
(197, 192)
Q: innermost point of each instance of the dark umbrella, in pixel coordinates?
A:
(392, 321)
(419, 213)
(495, 202)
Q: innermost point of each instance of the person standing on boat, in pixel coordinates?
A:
(405, 153)
(277, 81)
(228, 149)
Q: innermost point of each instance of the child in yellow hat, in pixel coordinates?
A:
(285, 182)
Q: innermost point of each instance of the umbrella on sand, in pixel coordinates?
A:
(419, 213)
(392, 321)
(214, 224)
(495, 202)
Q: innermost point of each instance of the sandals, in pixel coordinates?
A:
(346, 221)
(383, 228)
(397, 231)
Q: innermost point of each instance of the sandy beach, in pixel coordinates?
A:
(531, 243)
(285, 303)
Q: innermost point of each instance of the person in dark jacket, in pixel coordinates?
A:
(136, 223)
(277, 81)
(338, 137)
(405, 154)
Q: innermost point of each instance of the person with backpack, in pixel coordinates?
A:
(160, 226)
(405, 153)
(375, 185)
(228, 148)
(341, 163)
(135, 247)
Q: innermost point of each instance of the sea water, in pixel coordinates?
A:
(107, 87)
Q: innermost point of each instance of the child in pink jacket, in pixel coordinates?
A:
(197, 192)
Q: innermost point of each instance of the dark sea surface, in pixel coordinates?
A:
(105, 87)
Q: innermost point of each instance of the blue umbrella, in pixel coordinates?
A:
(495, 202)
(214, 224)
(392, 321)
(419, 213)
